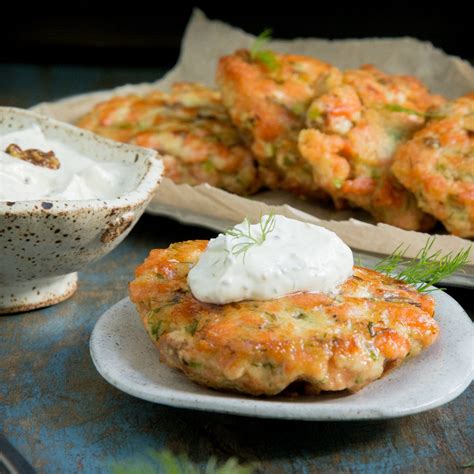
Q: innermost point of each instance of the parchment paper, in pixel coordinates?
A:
(203, 43)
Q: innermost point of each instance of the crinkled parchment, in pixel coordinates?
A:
(203, 43)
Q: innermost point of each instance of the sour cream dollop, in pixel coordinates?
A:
(292, 257)
(78, 177)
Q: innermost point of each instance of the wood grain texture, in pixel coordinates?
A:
(58, 411)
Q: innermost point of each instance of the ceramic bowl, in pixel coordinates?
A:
(43, 243)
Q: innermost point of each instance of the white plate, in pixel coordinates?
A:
(125, 356)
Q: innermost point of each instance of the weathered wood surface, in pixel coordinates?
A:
(24, 85)
(58, 411)
(63, 417)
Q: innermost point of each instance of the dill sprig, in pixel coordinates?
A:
(426, 269)
(264, 56)
(166, 462)
(249, 239)
(261, 40)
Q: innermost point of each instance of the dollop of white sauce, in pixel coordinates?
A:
(78, 177)
(294, 257)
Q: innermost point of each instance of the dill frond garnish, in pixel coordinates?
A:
(248, 238)
(261, 40)
(264, 56)
(426, 269)
(268, 58)
(165, 461)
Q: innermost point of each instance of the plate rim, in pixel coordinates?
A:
(204, 402)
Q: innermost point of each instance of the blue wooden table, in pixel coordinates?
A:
(58, 412)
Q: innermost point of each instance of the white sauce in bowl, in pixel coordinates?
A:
(290, 257)
(78, 177)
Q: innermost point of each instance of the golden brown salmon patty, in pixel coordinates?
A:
(354, 127)
(326, 342)
(267, 96)
(437, 165)
(189, 126)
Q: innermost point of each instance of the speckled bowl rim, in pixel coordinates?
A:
(147, 185)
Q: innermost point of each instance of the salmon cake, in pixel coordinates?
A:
(190, 127)
(318, 341)
(437, 166)
(267, 95)
(354, 126)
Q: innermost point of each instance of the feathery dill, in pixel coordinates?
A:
(264, 56)
(250, 239)
(261, 40)
(426, 269)
(154, 462)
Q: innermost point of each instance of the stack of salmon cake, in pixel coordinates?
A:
(358, 138)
